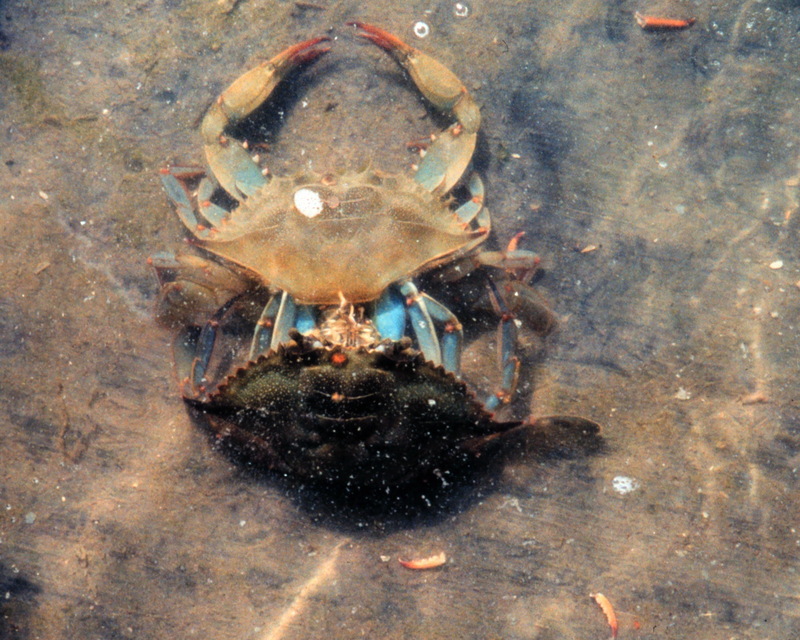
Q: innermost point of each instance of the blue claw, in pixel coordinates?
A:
(172, 179)
(199, 347)
(205, 347)
(507, 333)
(236, 171)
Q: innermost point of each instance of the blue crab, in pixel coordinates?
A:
(354, 237)
(333, 382)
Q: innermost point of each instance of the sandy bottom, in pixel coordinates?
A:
(656, 173)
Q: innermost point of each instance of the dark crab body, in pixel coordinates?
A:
(379, 417)
(368, 419)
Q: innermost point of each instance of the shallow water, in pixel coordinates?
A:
(674, 155)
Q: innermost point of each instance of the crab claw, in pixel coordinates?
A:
(448, 156)
(381, 37)
(230, 164)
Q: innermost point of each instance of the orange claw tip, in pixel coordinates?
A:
(379, 36)
(425, 563)
(307, 44)
(655, 23)
(608, 610)
(302, 52)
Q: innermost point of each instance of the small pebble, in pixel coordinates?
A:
(755, 398)
(776, 265)
(683, 394)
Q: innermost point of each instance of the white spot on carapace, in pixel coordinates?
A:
(308, 202)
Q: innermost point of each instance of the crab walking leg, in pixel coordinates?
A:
(453, 337)
(449, 154)
(277, 312)
(184, 351)
(390, 315)
(306, 318)
(215, 214)
(520, 298)
(192, 288)
(262, 335)
(201, 347)
(521, 262)
(527, 303)
(473, 207)
(422, 323)
(284, 321)
(173, 180)
(228, 161)
(507, 332)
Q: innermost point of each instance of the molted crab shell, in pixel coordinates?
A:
(322, 237)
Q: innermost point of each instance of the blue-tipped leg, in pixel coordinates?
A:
(284, 320)
(390, 315)
(422, 323)
(262, 335)
(452, 336)
(306, 320)
(468, 211)
(210, 211)
(507, 333)
(193, 351)
(173, 180)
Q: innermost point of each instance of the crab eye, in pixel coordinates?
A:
(308, 202)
